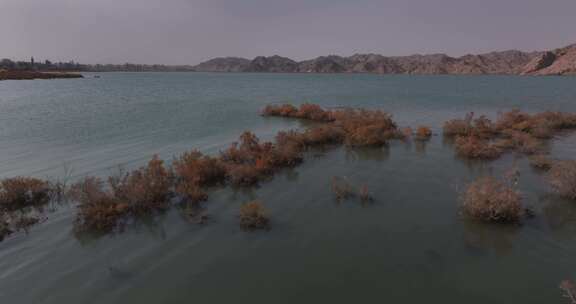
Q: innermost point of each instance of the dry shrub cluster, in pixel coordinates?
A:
(22, 202)
(254, 216)
(23, 192)
(305, 111)
(104, 208)
(344, 190)
(355, 127)
(477, 148)
(562, 178)
(491, 200)
(513, 130)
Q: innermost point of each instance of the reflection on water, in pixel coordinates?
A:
(560, 215)
(367, 153)
(482, 239)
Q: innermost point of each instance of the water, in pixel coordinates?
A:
(409, 246)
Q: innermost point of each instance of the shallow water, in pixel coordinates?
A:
(409, 246)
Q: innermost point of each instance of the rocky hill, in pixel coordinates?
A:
(558, 62)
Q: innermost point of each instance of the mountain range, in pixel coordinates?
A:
(560, 61)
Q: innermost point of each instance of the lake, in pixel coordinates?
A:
(409, 246)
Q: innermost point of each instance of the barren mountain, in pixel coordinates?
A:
(558, 62)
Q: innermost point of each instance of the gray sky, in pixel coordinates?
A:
(190, 31)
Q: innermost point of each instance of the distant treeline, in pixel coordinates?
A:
(47, 65)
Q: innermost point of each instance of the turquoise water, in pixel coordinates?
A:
(409, 246)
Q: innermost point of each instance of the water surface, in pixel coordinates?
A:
(409, 246)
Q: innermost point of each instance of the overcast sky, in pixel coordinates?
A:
(190, 31)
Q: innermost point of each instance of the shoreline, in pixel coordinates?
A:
(30, 75)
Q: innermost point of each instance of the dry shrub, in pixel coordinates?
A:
(322, 135)
(194, 170)
(243, 175)
(480, 127)
(146, 189)
(342, 188)
(140, 192)
(423, 133)
(406, 132)
(313, 112)
(254, 216)
(98, 210)
(365, 196)
(459, 127)
(249, 160)
(305, 111)
(523, 142)
(514, 120)
(476, 148)
(285, 110)
(23, 192)
(514, 129)
(367, 128)
(358, 127)
(190, 192)
(490, 200)
(198, 169)
(569, 289)
(562, 178)
(541, 162)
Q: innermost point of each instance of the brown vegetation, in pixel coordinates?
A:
(306, 111)
(23, 192)
(490, 200)
(365, 196)
(513, 130)
(569, 289)
(342, 188)
(541, 162)
(476, 148)
(140, 192)
(423, 133)
(562, 178)
(254, 216)
(356, 127)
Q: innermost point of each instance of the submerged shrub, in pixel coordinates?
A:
(569, 289)
(423, 133)
(285, 110)
(541, 162)
(254, 216)
(98, 210)
(490, 200)
(459, 127)
(194, 170)
(5, 228)
(198, 169)
(476, 148)
(365, 196)
(356, 127)
(342, 188)
(146, 189)
(23, 192)
(142, 191)
(562, 178)
(523, 142)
